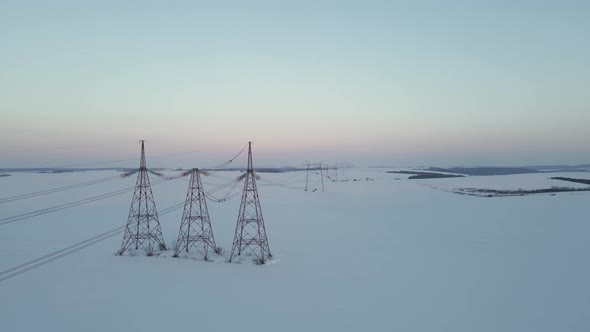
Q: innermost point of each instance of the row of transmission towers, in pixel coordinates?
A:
(324, 172)
(143, 231)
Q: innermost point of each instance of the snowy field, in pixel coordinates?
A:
(377, 255)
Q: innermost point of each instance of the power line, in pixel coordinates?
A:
(289, 182)
(60, 207)
(232, 159)
(74, 186)
(152, 157)
(124, 160)
(54, 190)
(48, 258)
(33, 194)
(227, 197)
(39, 148)
(229, 194)
(118, 229)
(55, 257)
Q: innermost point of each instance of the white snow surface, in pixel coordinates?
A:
(380, 255)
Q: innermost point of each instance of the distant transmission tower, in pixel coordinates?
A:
(307, 175)
(143, 227)
(250, 231)
(195, 227)
(322, 174)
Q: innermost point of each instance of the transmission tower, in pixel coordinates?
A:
(143, 227)
(250, 231)
(195, 227)
(307, 175)
(322, 174)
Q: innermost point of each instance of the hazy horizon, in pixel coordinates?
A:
(368, 83)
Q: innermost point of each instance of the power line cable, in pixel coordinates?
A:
(124, 160)
(285, 183)
(60, 207)
(232, 159)
(118, 229)
(54, 190)
(48, 258)
(55, 257)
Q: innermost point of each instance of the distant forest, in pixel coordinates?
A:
(485, 170)
(584, 181)
(426, 175)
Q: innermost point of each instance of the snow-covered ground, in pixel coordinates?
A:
(377, 255)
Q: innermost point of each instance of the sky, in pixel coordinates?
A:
(396, 83)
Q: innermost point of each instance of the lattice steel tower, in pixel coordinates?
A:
(250, 231)
(195, 228)
(143, 227)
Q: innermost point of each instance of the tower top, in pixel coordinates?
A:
(250, 166)
(142, 163)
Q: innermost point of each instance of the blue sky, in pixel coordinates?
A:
(396, 83)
